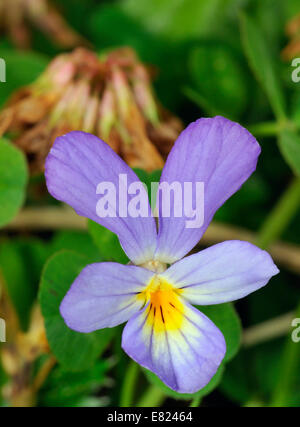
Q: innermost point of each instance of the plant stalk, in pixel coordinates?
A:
(127, 392)
(288, 368)
(152, 397)
(280, 216)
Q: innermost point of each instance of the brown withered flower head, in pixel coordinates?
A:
(110, 96)
(17, 16)
(293, 32)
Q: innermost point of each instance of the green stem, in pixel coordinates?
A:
(270, 128)
(195, 402)
(288, 368)
(127, 392)
(280, 216)
(152, 397)
(265, 129)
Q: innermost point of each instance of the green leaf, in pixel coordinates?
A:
(75, 351)
(14, 273)
(225, 317)
(236, 382)
(219, 79)
(214, 382)
(22, 68)
(21, 262)
(13, 180)
(261, 62)
(289, 145)
(65, 388)
(130, 32)
(295, 108)
(150, 47)
(266, 362)
(78, 241)
(107, 243)
(177, 20)
(196, 97)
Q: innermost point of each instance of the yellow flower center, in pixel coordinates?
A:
(165, 310)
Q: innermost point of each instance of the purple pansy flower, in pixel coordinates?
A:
(164, 332)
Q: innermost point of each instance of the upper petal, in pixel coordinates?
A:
(184, 351)
(224, 272)
(76, 164)
(104, 295)
(217, 152)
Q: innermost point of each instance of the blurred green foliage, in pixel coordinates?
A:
(75, 351)
(13, 179)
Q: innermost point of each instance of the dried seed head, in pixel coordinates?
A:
(110, 96)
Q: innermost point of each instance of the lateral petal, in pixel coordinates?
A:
(104, 295)
(224, 272)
